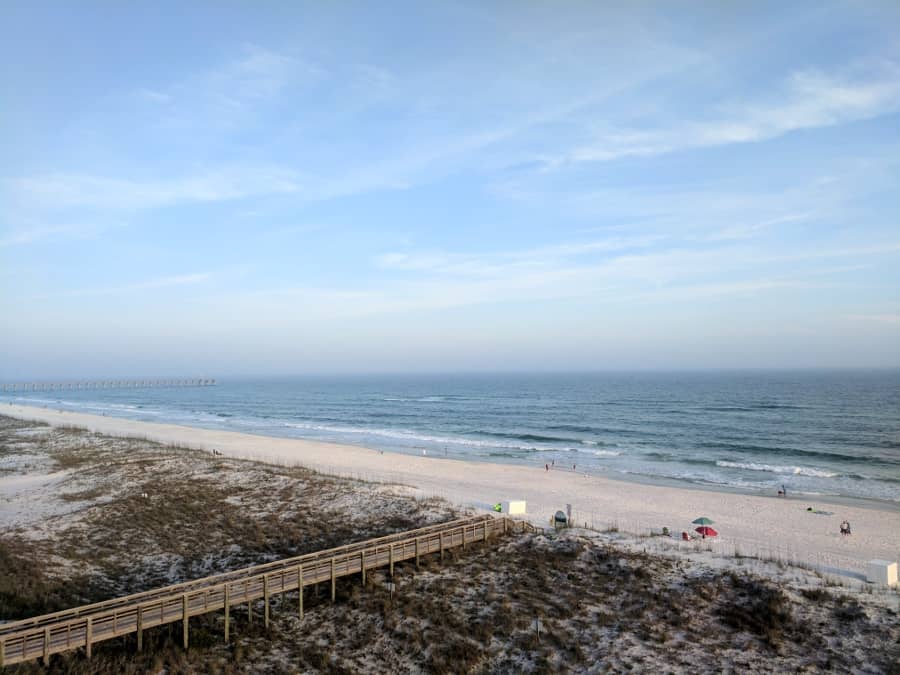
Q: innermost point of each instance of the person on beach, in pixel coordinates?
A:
(845, 527)
(546, 467)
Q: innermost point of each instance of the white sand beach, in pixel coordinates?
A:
(756, 524)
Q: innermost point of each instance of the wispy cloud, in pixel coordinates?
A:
(616, 270)
(746, 231)
(60, 190)
(502, 262)
(153, 96)
(254, 75)
(257, 74)
(39, 233)
(149, 284)
(809, 100)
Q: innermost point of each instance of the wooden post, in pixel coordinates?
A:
(464, 537)
(184, 614)
(266, 599)
(505, 523)
(2, 652)
(249, 604)
(88, 630)
(140, 628)
(333, 586)
(442, 547)
(391, 557)
(362, 566)
(300, 588)
(227, 612)
(417, 553)
(47, 647)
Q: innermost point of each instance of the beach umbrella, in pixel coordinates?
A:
(703, 520)
(706, 531)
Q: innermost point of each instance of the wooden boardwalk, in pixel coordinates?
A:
(82, 627)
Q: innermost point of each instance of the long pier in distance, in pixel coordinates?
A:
(108, 384)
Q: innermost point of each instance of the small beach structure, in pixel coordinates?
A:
(882, 572)
(560, 520)
(514, 508)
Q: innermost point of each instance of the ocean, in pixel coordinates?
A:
(833, 433)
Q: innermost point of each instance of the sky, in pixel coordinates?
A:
(259, 188)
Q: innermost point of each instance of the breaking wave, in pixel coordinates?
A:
(774, 468)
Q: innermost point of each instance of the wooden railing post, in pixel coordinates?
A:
(333, 581)
(2, 652)
(417, 553)
(362, 566)
(140, 628)
(442, 547)
(266, 600)
(46, 658)
(184, 614)
(300, 588)
(391, 559)
(227, 612)
(88, 636)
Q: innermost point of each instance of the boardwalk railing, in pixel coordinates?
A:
(85, 626)
(107, 384)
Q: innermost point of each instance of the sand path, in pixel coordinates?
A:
(755, 523)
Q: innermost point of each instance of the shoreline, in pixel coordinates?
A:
(748, 519)
(640, 479)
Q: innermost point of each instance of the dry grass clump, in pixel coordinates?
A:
(760, 609)
(25, 587)
(12, 424)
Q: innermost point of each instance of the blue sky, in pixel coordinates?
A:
(235, 187)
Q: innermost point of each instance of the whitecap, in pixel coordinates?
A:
(773, 468)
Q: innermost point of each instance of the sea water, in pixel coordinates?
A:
(828, 433)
